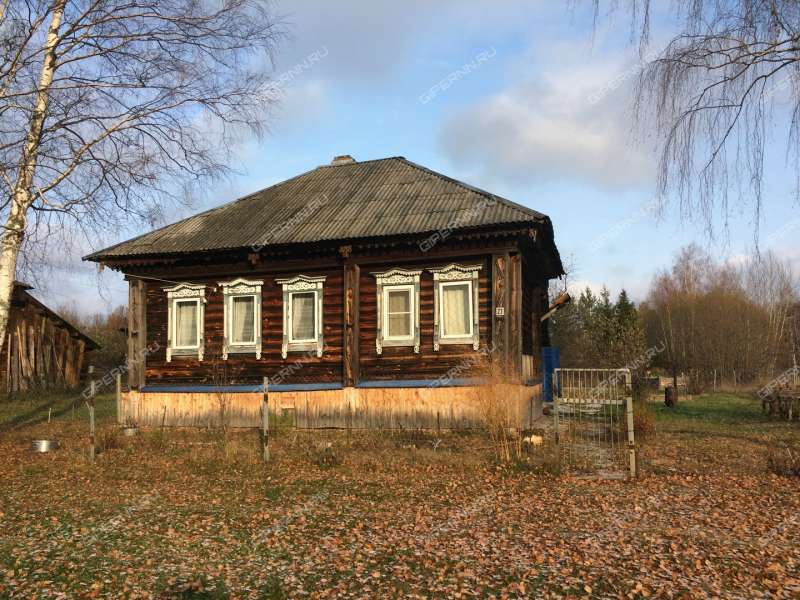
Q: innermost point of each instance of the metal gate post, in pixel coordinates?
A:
(631, 443)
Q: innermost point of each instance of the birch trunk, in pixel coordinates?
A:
(22, 194)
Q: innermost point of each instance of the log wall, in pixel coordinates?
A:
(401, 362)
(344, 315)
(245, 368)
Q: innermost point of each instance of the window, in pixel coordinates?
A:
(456, 308)
(302, 314)
(185, 314)
(398, 309)
(399, 322)
(243, 331)
(186, 333)
(455, 298)
(242, 299)
(302, 317)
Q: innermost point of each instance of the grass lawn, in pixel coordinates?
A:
(195, 514)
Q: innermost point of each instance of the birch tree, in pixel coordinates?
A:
(723, 84)
(109, 108)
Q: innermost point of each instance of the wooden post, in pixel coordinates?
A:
(265, 422)
(137, 332)
(90, 404)
(500, 309)
(514, 317)
(350, 351)
(555, 411)
(118, 390)
(631, 443)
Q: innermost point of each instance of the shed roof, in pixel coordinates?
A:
(343, 200)
(22, 292)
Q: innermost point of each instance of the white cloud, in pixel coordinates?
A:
(566, 123)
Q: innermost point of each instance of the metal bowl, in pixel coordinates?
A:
(44, 445)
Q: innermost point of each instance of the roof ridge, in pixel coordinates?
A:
(361, 162)
(477, 190)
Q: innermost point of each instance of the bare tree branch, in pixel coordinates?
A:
(109, 108)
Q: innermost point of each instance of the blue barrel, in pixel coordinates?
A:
(551, 359)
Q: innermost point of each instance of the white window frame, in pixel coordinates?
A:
(443, 337)
(409, 289)
(241, 288)
(389, 280)
(300, 284)
(454, 274)
(313, 338)
(185, 292)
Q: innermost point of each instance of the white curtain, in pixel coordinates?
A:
(186, 323)
(303, 316)
(398, 311)
(243, 320)
(455, 299)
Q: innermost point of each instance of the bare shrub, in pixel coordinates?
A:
(784, 461)
(325, 455)
(543, 459)
(498, 412)
(108, 439)
(644, 422)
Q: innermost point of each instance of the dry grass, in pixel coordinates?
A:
(173, 514)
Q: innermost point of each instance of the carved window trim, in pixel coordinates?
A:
(301, 284)
(386, 281)
(241, 288)
(183, 292)
(453, 274)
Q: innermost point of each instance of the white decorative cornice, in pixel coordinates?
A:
(454, 272)
(301, 283)
(241, 286)
(186, 290)
(397, 276)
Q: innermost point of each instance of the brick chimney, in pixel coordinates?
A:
(342, 159)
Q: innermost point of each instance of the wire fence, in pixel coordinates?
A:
(593, 420)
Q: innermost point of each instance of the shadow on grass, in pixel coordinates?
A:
(28, 411)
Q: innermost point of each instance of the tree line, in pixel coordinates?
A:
(734, 322)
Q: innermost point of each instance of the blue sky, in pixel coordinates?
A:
(542, 117)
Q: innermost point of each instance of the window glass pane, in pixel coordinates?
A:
(243, 320)
(303, 316)
(399, 301)
(455, 304)
(399, 325)
(186, 323)
(398, 310)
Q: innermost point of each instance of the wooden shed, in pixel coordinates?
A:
(41, 350)
(370, 293)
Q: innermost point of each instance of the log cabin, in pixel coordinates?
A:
(369, 294)
(41, 350)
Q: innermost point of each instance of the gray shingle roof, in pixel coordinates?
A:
(390, 196)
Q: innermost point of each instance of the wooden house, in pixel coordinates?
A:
(42, 350)
(370, 293)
